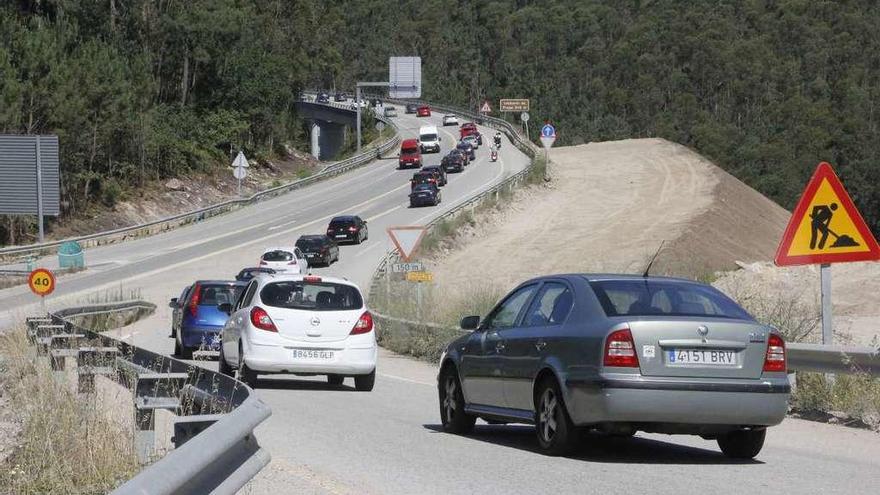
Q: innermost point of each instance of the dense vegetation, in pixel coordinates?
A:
(148, 88)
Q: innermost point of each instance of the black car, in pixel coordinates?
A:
(464, 156)
(248, 273)
(453, 162)
(467, 149)
(439, 171)
(424, 177)
(424, 194)
(348, 228)
(412, 108)
(323, 98)
(318, 249)
(339, 97)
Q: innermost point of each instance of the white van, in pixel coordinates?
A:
(429, 139)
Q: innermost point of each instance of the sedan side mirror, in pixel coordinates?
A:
(470, 322)
(172, 303)
(225, 307)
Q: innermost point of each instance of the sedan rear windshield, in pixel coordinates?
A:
(310, 243)
(664, 298)
(314, 296)
(278, 256)
(212, 295)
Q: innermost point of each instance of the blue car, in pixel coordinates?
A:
(198, 321)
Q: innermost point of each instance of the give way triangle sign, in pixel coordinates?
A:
(406, 240)
(826, 227)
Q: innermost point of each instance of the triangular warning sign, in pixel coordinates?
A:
(485, 108)
(826, 227)
(406, 240)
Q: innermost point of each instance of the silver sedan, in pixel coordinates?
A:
(618, 354)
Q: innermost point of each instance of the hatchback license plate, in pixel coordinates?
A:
(315, 354)
(700, 357)
(339, 236)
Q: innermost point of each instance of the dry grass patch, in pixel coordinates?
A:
(67, 442)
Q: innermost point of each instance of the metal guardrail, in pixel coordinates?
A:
(833, 358)
(215, 415)
(164, 224)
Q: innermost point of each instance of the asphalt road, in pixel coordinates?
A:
(327, 440)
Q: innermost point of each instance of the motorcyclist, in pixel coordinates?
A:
(493, 153)
(498, 139)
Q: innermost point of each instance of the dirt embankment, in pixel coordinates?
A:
(169, 197)
(608, 210)
(611, 204)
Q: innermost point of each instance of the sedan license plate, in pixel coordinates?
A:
(313, 354)
(341, 236)
(700, 357)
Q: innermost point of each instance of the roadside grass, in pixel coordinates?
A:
(436, 318)
(68, 443)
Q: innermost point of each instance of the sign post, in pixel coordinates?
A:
(239, 169)
(524, 117)
(548, 137)
(41, 282)
(513, 105)
(826, 227)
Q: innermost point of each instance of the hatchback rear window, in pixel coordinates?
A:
(310, 243)
(664, 298)
(314, 296)
(213, 295)
(278, 256)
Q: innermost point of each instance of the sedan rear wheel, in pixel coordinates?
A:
(364, 383)
(452, 415)
(742, 444)
(557, 435)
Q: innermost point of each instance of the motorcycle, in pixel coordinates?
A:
(493, 156)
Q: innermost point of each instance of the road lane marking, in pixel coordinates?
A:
(276, 227)
(402, 379)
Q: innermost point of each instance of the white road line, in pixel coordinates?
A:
(402, 379)
(276, 227)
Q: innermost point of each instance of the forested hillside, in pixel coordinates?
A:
(139, 89)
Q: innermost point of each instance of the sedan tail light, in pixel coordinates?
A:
(260, 319)
(352, 229)
(620, 351)
(194, 302)
(363, 325)
(775, 358)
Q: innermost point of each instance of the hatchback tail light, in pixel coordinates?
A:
(775, 358)
(260, 319)
(363, 325)
(194, 301)
(352, 229)
(620, 351)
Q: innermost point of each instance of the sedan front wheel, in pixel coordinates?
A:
(452, 414)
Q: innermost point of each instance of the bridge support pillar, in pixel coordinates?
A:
(315, 135)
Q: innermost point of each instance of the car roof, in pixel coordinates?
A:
(408, 142)
(219, 282)
(596, 277)
(308, 237)
(268, 250)
(344, 218)
(431, 167)
(285, 277)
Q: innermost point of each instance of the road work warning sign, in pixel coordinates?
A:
(826, 227)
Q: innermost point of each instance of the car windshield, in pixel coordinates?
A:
(314, 296)
(341, 225)
(648, 297)
(215, 294)
(313, 243)
(429, 137)
(277, 256)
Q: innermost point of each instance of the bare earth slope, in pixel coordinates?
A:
(610, 207)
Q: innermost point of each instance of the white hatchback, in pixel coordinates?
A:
(450, 120)
(284, 259)
(300, 324)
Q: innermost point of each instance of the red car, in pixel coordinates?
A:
(470, 129)
(410, 154)
(424, 111)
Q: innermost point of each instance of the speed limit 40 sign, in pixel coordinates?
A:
(41, 282)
